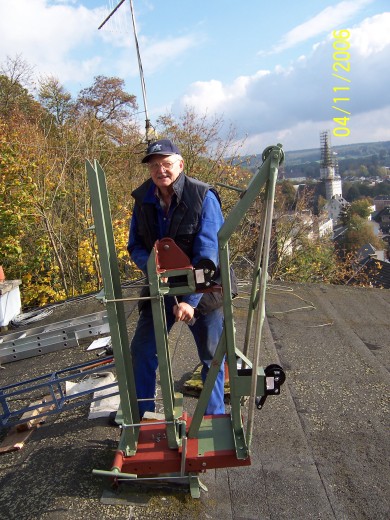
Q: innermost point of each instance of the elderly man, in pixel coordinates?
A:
(170, 204)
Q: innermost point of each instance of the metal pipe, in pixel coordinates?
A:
(131, 299)
(130, 476)
(234, 188)
(109, 16)
(183, 455)
(145, 422)
(263, 283)
(255, 285)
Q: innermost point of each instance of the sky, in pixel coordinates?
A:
(267, 68)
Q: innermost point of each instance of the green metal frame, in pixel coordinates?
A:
(115, 309)
(265, 177)
(250, 382)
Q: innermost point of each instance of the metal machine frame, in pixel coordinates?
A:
(52, 337)
(181, 447)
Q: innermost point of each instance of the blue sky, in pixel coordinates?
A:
(265, 67)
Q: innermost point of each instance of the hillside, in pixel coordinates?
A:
(306, 163)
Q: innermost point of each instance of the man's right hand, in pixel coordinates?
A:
(183, 312)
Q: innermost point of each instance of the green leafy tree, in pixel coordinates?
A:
(56, 100)
(361, 207)
(359, 233)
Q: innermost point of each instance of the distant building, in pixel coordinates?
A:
(325, 227)
(381, 202)
(331, 179)
(375, 265)
(382, 217)
(328, 168)
(335, 206)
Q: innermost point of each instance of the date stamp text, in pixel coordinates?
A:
(341, 69)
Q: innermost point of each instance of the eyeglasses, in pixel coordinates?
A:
(166, 165)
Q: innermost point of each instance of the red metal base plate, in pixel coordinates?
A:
(213, 448)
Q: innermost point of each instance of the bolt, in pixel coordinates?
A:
(166, 247)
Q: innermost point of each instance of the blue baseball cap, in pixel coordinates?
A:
(161, 147)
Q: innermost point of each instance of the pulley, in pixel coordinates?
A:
(275, 377)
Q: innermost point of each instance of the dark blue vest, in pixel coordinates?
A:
(185, 220)
(184, 225)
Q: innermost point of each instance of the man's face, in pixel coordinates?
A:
(165, 169)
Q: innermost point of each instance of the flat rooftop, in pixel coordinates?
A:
(320, 450)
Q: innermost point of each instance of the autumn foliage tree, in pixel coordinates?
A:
(45, 212)
(46, 235)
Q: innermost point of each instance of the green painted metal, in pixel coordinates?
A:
(115, 309)
(274, 159)
(194, 485)
(243, 383)
(250, 382)
(215, 434)
(157, 290)
(208, 385)
(264, 178)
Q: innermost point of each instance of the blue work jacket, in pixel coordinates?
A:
(192, 220)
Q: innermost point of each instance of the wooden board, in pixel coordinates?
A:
(30, 416)
(18, 435)
(15, 440)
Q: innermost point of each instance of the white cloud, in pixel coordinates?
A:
(61, 38)
(213, 95)
(372, 36)
(305, 134)
(326, 20)
(45, 34)
(157, 54)
(295, 103)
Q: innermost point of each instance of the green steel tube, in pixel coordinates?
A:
(232, 221)
(263, 282)
(115, 310)
(255, 286)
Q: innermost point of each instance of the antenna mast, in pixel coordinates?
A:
(141, 72)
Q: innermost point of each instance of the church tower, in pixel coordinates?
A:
(328, 172)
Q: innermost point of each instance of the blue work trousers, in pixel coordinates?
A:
(206, 330)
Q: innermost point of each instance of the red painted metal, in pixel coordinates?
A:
(170, 256)
(154, 457)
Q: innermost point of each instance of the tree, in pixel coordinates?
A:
(321, 204)
(55, 99)
(44, 196)
(107, 101)
(25, 246)
(361, 207)
(15, 76)
(286, 194)
(205, 152)
(363, 171)
(359, 233)
(313, 261)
